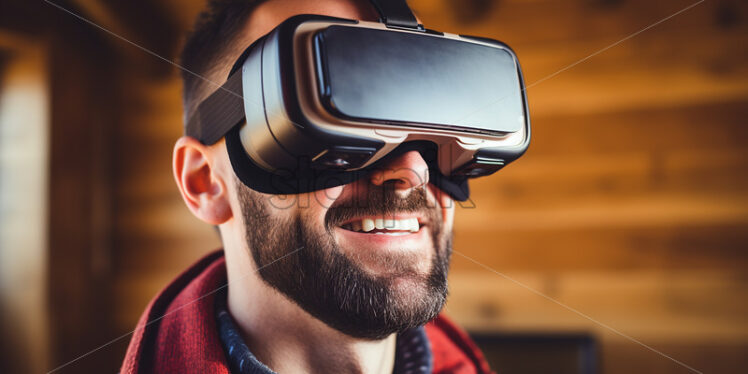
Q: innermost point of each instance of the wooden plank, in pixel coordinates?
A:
(524, 22)
(542, 248)
(696, 306)
(690, 127)
(79, 192)
(548, 183)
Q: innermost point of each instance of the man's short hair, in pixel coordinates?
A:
(208, 48)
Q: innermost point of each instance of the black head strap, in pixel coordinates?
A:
(224, 108)
(221, 111)
(396, 13)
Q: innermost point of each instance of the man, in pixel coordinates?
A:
(313, 285)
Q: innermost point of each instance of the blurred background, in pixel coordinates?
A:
(630, 207)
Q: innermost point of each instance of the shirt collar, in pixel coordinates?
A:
(412, 347)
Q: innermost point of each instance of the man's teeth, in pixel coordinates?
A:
(369, 224)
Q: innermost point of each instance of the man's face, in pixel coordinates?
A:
(365, 282)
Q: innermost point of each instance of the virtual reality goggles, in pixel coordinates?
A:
(321, 101)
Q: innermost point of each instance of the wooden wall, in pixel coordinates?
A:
(630, 207)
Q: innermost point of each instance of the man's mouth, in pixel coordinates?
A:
(380, 240)
(384, 226)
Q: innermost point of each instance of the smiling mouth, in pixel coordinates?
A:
(383, 226)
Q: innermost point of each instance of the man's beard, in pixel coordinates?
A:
(326, 283)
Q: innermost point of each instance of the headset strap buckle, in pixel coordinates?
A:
(396, 13)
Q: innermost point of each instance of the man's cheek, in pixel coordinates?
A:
(325, 198)
(448, 213)
(441, 200)
(282, 202)
(321, 201)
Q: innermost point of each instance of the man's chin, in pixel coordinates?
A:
(408, 287)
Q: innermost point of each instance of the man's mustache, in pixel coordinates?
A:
(377, 201)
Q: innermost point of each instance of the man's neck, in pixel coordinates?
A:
(289, 340)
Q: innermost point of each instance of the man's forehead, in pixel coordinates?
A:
(271, 13)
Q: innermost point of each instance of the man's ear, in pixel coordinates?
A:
(203, 188)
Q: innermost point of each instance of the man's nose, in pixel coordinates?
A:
(405, 172)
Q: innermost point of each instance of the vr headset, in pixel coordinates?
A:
(321, 101)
